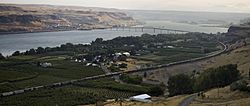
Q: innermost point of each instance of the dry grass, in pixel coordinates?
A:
(159, 101)
(240, 56)
(225, 98)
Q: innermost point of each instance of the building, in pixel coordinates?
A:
(141, 98)
(126, 54)
(45, 65)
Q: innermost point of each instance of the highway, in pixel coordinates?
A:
(113, 74)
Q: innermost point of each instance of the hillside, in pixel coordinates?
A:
(226, 98)
(33, 18)
(243, 30)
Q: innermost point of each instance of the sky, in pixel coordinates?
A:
(179, 5)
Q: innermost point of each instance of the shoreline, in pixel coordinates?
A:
(23, 32)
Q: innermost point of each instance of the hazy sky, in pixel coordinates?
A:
(186, 5)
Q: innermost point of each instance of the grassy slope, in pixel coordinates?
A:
(240, 56)
(226, 97)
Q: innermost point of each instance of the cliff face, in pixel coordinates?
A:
(29, 18)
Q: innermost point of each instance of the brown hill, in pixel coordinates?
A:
(31, 18)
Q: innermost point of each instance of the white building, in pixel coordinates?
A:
(141, 98)
(45, 65)
(126, 54)
(118, 54)
(171, 47)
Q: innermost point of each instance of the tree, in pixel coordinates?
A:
(123, 58)
(156, 91)
(133, 79)
(16, 53)
(145, 74)
(218, 77)
(47, 49)
(1, 56)
(180, 84)
(123, 65)
(40, 50)
(30, 52)
(98, 41)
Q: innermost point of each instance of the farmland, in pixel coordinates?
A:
(70, 62)
(77, 94)
(22, 72)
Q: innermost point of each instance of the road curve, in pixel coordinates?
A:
(187, 100)
(5, 94)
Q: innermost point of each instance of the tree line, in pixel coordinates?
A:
(1, 56)
(211, 78)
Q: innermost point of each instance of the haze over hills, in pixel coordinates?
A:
(190, 17)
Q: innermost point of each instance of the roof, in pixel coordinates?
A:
(142, 96)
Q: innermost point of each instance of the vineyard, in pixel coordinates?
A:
(66, 96)
(172, 51)
(81, 93)
(22, 71)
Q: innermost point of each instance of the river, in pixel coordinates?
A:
(10, 43)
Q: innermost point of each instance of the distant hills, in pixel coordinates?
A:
(221, 19)
(33, 18)
(242, 30)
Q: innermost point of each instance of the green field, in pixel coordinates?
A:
(65, 96)
(77, 94)
(182, 51)
(22, 71)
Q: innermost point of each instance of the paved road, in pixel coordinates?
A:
(187, 100)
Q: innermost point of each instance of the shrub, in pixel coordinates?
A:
(16, 53)
(218, 77)
(239, 85)
(180, 84)
(156, 91)
(131, 79)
